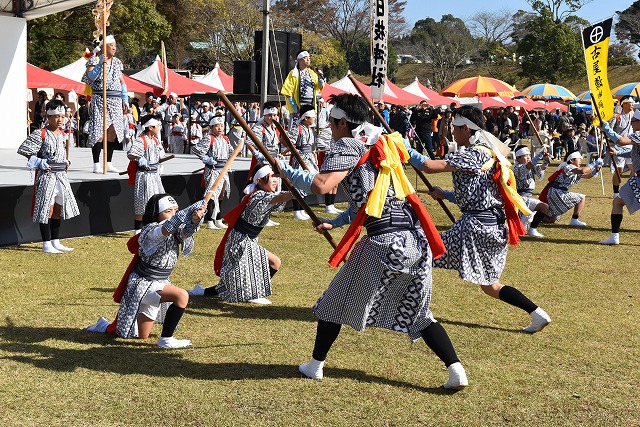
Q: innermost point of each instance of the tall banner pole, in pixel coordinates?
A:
(101, 14)
(379, 47)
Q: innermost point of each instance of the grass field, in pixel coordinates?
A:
(583, 369)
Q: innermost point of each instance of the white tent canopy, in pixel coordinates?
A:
(73, 71)
(212, 78)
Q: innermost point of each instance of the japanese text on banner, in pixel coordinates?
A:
(379, 48)
(595, 40)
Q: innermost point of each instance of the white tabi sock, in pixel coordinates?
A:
(312, 369)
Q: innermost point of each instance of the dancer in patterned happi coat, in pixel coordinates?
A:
(526, 170)
(145, 154)
(386, 280)
(145, 289)
(304, 138)
(629, 195)
(246, 268)
(556, 193)
(117, 102)
(477, 242)
(214, 151)
(53, 198)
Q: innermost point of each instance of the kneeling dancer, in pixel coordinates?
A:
(246, 268)
(145, 285)
(386, 281)
(477, 242)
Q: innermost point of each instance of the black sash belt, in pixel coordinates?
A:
(57, 167)
(491, 216)
(244, 227)
(306, 149)
(150, 272)
(399, 217)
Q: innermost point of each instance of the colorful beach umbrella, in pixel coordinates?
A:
(548, 91)
(479, 86)
(627, 89)
(584, 96)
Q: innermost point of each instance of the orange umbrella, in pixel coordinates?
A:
(479, 86)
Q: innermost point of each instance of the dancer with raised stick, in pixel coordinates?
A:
(383, 121)
(104, 75)
(273, 162)
(484, 190)
(386, 281)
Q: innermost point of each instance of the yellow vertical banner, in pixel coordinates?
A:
(595, 40)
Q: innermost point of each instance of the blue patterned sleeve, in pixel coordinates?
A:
(344, 155)
(468, 160)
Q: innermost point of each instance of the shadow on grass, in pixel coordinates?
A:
(476, 326)
(128, 357)
(23, 248)
(215, 307)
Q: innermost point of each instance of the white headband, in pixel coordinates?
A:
(151, 122)
(522, 152)
(310, 113)
(166, 202)
(175, 95)
(272, 110)
(340, 114)
(302, 54)
(56, 111)
(110, 39)
(216, 120)
(459, 120)
(574, 155)
(260, 173)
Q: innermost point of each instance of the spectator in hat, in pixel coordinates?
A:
(302, 85)
(384, 112)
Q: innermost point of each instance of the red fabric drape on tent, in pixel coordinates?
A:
(39, 78)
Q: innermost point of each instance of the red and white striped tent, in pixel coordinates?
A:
(218, 79)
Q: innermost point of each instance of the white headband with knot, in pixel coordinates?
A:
(110, 39)
(56, 111)
(339, 114)
(260, 173)
(151, 122)
(459, 120)
(272, 110)
(574, 155)
(310, 113)
(523, 152)
(166, 202)
(303, 54)
(216, 120)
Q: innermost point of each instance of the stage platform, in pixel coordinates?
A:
(105, 201)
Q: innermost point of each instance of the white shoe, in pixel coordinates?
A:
(261, 301)
(533, 232)
(171, 342)
(616, 195)
(220, 224)
(539, 319)
(212, 225)
(272, 223)
(100, 326)
(457, 377)
(305, 215)
(331, 209)
(614, 239)
(111, 168)
(300, 215)
(59, 246)
(137, 231)
(197, 291)
(312, 369)
(526, 221)
(48, 248)
(577, 223)
(97, 168)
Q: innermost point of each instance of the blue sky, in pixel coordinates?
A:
(419, 9)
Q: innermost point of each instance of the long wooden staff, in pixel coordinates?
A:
(292, 148)
(272, 162)
(375, 111)
(613, 158)
(533, 126)
(198, 170)
(223, 171)
(162, 160)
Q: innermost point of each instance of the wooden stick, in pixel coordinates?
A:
(162, 160)
(104, 88)
(375, 111)
(272, 162)
(290, 146)
(198, 170)
(224, 170)
(613, 158)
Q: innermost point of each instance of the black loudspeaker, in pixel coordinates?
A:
(244, 77)
(283, 48)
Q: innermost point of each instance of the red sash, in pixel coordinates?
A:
(134, 247)
(132, 168)
(231, 219)
(376, 154)
(545, 190)
(516, 229)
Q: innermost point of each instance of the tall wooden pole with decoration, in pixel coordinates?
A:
(101, 16)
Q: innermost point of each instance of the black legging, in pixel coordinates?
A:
(95, 150)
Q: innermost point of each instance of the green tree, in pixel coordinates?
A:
(628, 25)
(558, 9)
(550, 51)
(54, 41)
